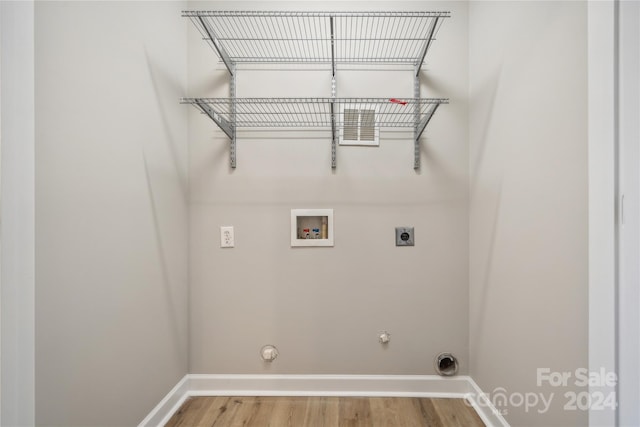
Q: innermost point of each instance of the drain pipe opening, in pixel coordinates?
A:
(446, 364)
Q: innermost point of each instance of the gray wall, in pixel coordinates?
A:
(323, 307)
(528, 220)
(111, 201)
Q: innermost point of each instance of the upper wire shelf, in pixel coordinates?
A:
(318, 37)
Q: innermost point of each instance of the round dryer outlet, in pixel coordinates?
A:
(446, 364)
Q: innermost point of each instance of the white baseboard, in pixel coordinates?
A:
(328, 385)
(168, 406)
(479, 400)
(325, 385)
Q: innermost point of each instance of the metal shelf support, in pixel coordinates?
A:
(222, 123)
(425, 120)
(218, 46)
(427, 44)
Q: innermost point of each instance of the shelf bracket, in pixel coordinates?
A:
(216, 43)
(418, 133)
(425, 121)
(432, 30)
(223, 124)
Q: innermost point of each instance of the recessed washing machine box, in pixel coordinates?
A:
(311, 227)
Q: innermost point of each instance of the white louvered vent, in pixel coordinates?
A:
(359, 127)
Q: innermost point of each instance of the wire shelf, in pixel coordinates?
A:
(314, 112)
(318, 37)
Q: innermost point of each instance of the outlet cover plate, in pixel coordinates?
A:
(405, 236)
(227, 238)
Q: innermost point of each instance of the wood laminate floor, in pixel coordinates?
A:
(324, 412)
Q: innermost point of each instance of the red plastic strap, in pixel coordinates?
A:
(398, 101)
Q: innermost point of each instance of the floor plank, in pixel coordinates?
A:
(323, 412)
(429, 413)
(452, 412)
(355, 412)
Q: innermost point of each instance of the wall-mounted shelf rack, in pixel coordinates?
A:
(241, 37)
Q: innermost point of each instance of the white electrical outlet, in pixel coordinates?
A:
(227, 239)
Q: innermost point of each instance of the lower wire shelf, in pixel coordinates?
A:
(314, 112)
(330, 113)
